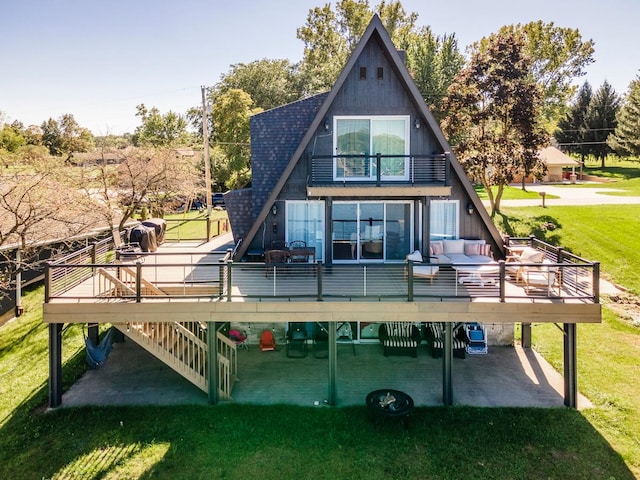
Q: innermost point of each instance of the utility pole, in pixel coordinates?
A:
(207, 162)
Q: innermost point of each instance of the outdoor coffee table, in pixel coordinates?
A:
(474, 273)
(389, 403)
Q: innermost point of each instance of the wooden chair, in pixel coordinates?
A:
(274, 259)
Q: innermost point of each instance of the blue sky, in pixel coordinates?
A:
(98, 60)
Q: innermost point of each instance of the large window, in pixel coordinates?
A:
(359, 139)
(443, 222)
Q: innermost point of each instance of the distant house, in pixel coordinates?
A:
(560, 167)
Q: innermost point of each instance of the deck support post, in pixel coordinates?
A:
(333, 364)
(526, 335)
(570, 366)
(447, 363)
(212, 362)
(55, 364)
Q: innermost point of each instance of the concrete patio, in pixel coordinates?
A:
(505, 377)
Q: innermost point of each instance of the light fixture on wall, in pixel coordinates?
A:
(470, 209)
(326, 125)
(274, 210)
(416, 123)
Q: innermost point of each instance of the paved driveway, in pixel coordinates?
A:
(595, 194)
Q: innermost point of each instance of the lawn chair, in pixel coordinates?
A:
(477, 335)
(267, 342)
(239, 338)
(296, 345)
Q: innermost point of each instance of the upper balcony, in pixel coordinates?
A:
(426, 172)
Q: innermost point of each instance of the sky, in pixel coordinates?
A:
(98, 60)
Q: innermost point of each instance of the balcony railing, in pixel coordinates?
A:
(422, 169)
(218, 278)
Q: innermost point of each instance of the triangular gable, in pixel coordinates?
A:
(375, 28)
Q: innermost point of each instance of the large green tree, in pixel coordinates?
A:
(493, 116)
(269, 83)
(625, 140)
(572, 133)
(601, 121)
(161, 129)
(230, 115)
(65, 136)
(559, 56)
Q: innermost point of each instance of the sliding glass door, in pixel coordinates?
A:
(371, 231)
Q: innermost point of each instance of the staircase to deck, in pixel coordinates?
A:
(181, 346)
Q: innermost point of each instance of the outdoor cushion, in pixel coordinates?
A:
(453, 246)
(436, 248)
(415, 256)
(530, 255)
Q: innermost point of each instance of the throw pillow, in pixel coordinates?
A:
(437, 248)
(453, 246)
(484, 250)
(472, 249)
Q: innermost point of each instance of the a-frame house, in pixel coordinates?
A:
(314, 164)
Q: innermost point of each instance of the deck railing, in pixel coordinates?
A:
(210, 279)
(422, 169)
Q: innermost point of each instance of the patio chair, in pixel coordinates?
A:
(477, 336)
(275, 258)
(344, 334)
(544, 278)
(279, 245)
(298, 252)
(239, 338)
(321, 340)
(296, 340)
(267, 342)
(435, 338)
(399, 338)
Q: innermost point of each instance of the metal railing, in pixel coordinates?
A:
(422, 169)
(224, 280)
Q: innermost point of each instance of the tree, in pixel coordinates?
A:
(269, 83)
(65, 136)
(573, 129)
(494, 109)
(559, 56)
(434, 63)
(11, 138)
(160, 130)
(230, 115)
(601, 120)
(38, 204)
(330, 36)
(625, 140)
(143, 176)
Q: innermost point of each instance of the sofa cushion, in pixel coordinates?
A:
(472, 249)
(415, 256)
(453, 246)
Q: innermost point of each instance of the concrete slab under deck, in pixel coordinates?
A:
(505, 377)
